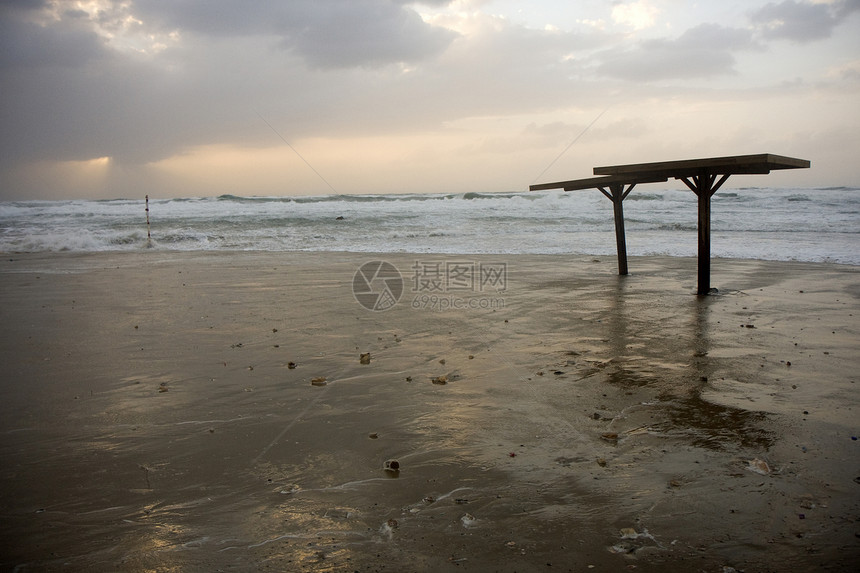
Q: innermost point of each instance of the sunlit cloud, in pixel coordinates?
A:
(849, 71)
(594, 24)
(115, 23)
(81, 178)
(637, 15)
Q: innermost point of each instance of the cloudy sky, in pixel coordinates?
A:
(119, 98)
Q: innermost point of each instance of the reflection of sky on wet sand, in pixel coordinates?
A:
(672, 355)
(663, 360)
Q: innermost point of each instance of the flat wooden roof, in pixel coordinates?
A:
(597, 182)
(753, 164)
(762, 163)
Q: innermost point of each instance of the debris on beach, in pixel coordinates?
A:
(338, 513)
(807, 501)
(392, 467)
(440, 380)
(636, 431)
(364, 358)
(291, 365)
(387, 528)
(162, 387)
(373, 435)
(468, 520)
(318, 381)
(633, 542)
(611, 437)
(758, 466)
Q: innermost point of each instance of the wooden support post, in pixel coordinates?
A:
(617, 194)
(704, 267)
(703, 186)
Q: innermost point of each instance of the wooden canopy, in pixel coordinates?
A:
(700, 175)
(760, 164)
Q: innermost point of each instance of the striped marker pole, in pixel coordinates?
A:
(148, 235)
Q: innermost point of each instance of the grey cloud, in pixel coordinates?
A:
(846, 7)
(559, 133)
(23, 44)
(513, 68)
(424, 2)
(9, 6)
(327, 33)
(703, 51)
(366, 33)
(802, 22)
(68, 95)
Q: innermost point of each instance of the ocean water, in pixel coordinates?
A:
(759, 223)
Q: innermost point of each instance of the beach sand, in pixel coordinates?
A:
(157, 413)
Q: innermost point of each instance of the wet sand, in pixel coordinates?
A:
(157, 413)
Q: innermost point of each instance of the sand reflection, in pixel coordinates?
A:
(672, 356)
